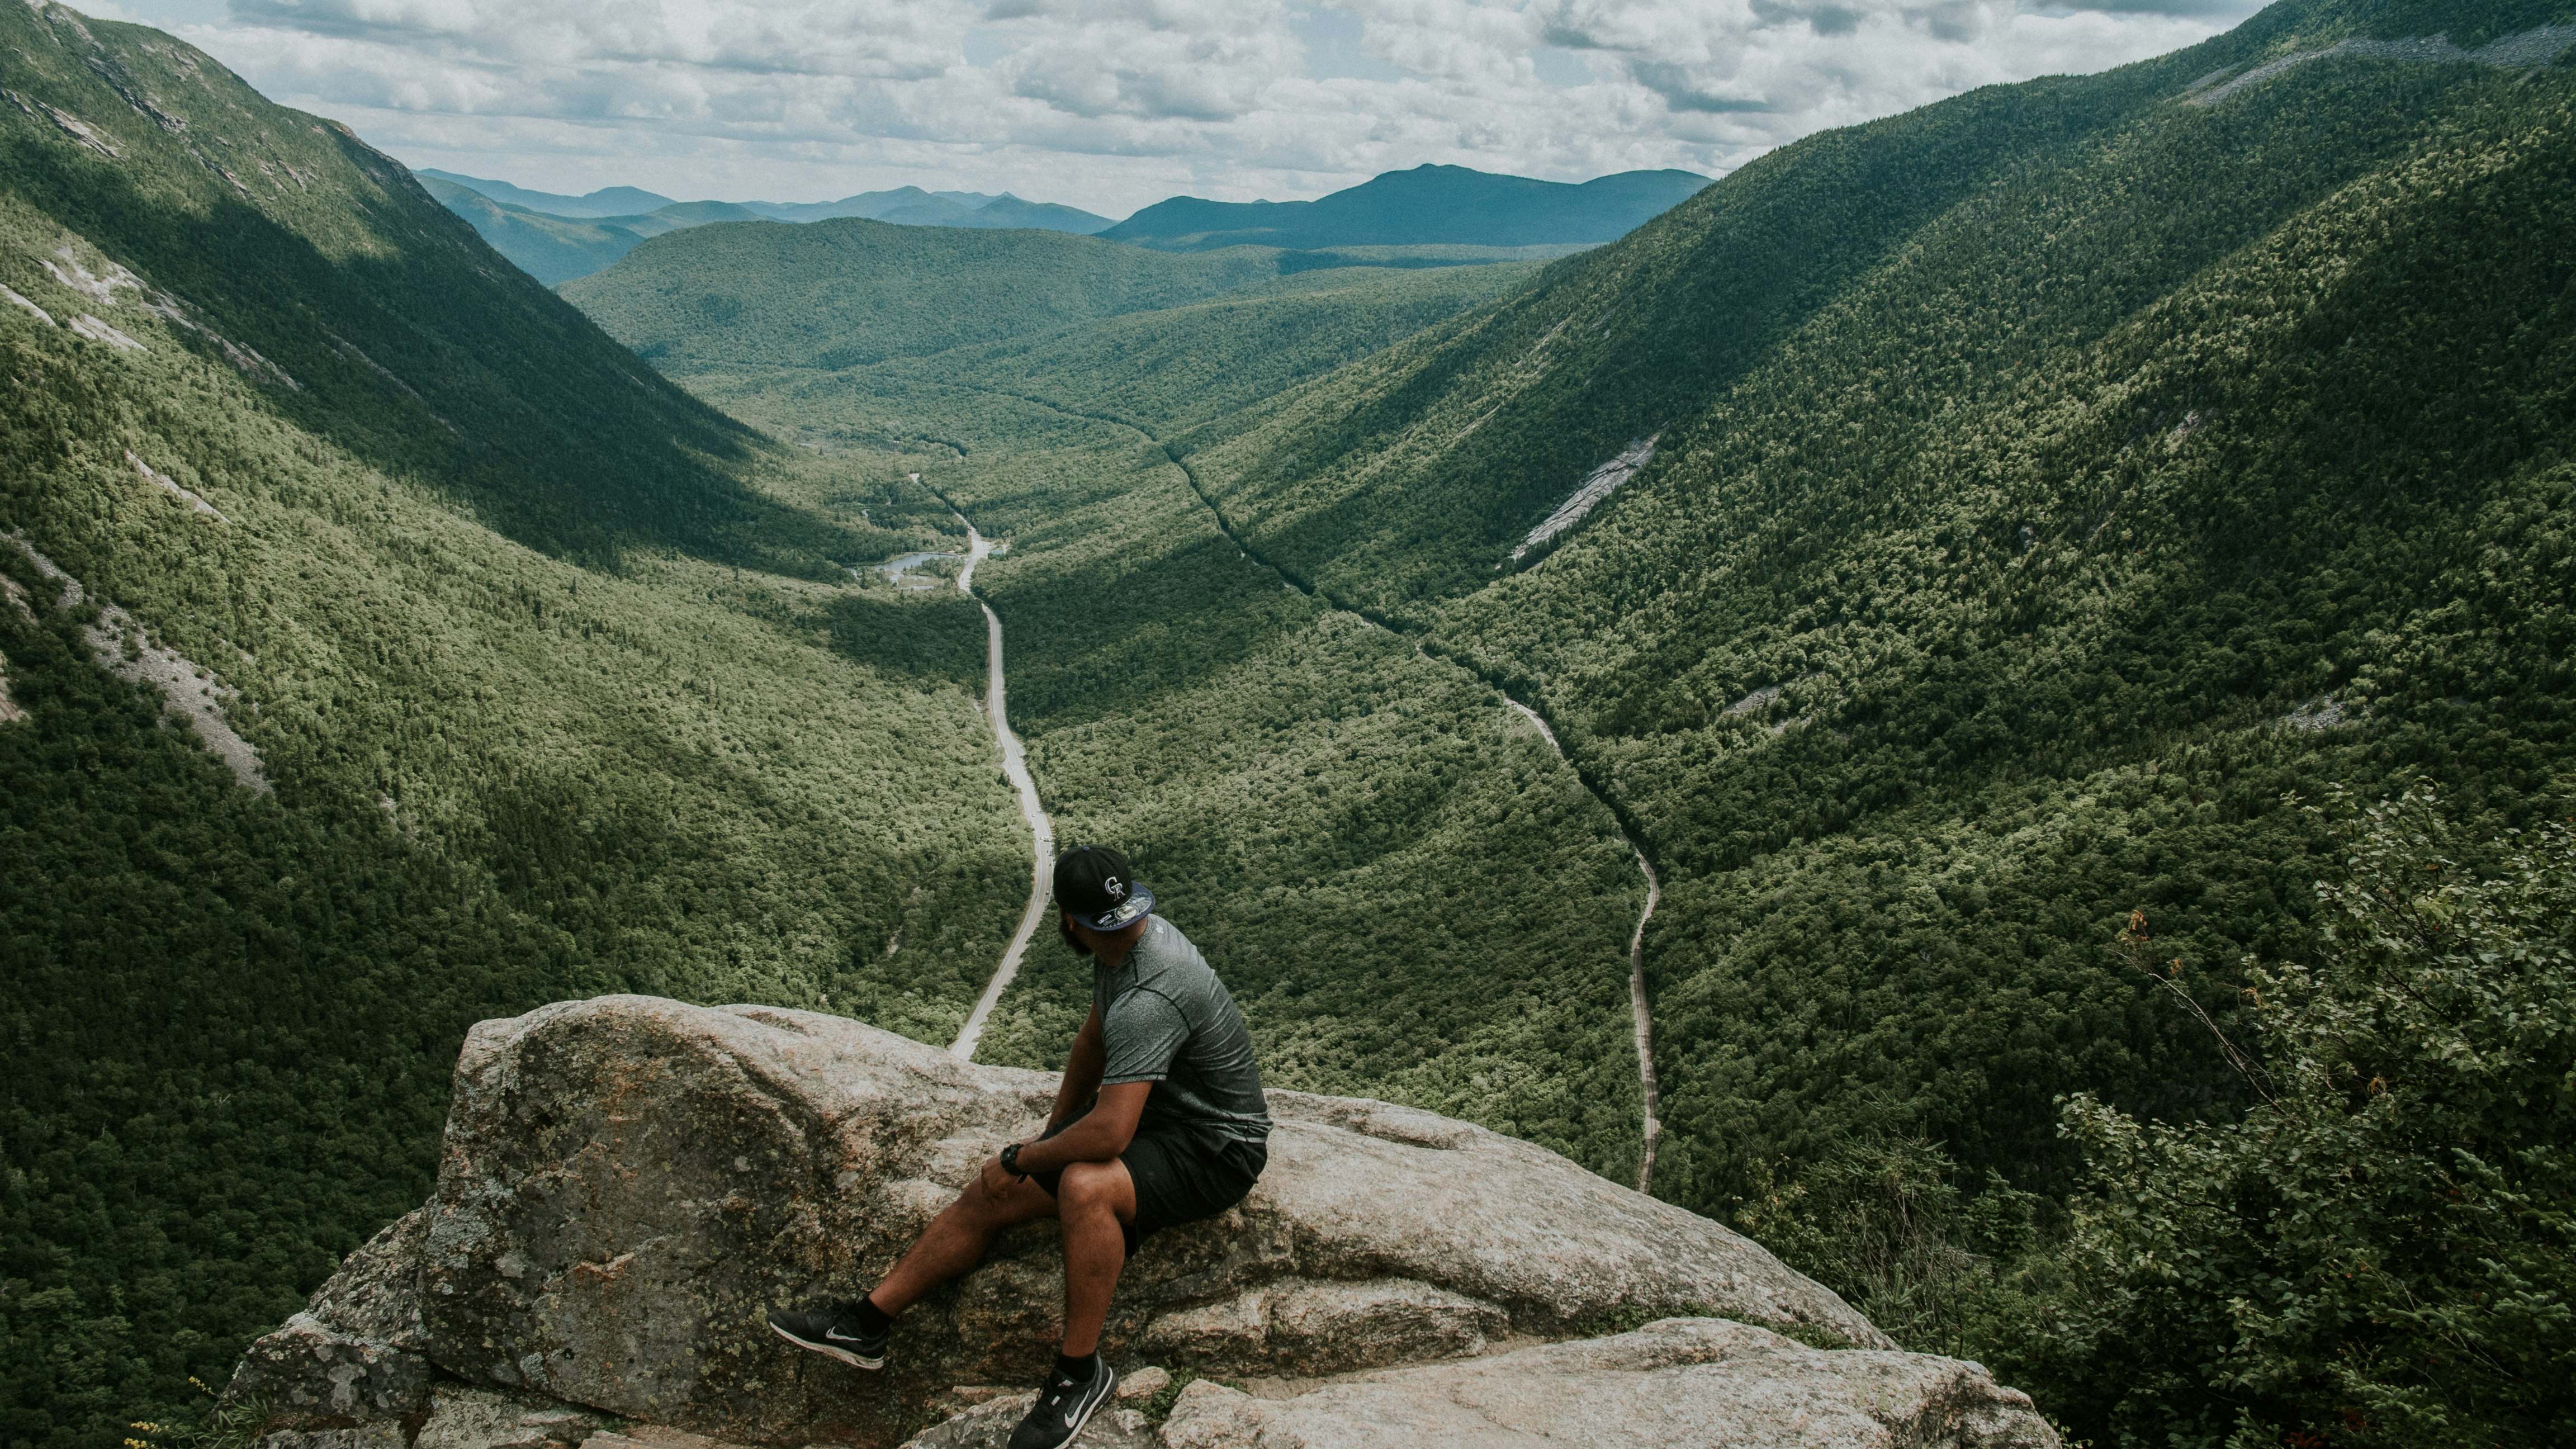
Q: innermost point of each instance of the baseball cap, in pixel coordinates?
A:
(1094, 883)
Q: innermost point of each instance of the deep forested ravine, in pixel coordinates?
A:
(1015, 764)
(1642, 1017)
(1651, 1126)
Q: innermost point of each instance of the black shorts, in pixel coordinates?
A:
(1181, 1173)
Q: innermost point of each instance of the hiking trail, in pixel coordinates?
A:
(1015, 764)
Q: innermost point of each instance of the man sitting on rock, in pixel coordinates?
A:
(1159, 1121)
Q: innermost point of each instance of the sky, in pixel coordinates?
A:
(1110, 105)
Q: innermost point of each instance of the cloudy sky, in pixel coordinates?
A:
(1112, 104)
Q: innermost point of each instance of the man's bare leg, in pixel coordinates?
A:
(955, 1240)
(1097, 1197)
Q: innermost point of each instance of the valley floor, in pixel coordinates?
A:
(1015, 766)
(1410, 892)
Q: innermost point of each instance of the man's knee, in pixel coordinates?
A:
(1089, 1187)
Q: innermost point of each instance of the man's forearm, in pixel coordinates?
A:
(1093, 1139)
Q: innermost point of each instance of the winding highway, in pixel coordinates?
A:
(1015, 764)
(1645, 1018)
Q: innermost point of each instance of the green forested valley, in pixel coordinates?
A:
(2054, 492)
(2079, 626)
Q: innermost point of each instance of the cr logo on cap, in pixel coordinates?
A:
(1117, 888)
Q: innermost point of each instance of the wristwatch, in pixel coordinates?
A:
(1011, 1160)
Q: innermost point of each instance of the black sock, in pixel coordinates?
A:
(1080, 1370)
(873, 1319)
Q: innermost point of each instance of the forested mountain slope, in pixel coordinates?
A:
(1170, 368)
(2046, 483)
(533, 676)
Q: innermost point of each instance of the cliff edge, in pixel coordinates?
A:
(628, 1184)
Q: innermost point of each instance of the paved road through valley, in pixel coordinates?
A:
(1645, 1018)
(1015, 764)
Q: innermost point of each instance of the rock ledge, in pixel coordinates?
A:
(629, 1184)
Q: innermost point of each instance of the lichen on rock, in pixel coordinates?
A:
(352, 1359)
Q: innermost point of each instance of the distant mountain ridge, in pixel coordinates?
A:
(1427, 205)
(556, 238)
(606, 201)
(904, 205)
(550, 247)
(912, 206)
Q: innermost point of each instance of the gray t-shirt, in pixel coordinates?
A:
(1166, 1019)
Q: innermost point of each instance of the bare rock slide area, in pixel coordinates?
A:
(124, 648)
(628, 1184)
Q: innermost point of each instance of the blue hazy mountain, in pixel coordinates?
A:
(912, 206)
(555, 238)
(553, 247)
(607, 201)
(1427, 205)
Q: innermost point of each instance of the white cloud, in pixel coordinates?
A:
(1111, 104)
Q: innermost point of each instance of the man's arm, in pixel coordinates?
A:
(1100, 1136)
(1082, 1068)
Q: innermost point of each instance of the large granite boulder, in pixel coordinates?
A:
(629, 1184)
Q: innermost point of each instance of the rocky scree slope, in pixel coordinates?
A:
(629, 1183)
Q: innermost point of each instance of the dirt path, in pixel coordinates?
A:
(1645, 1019)
(1015, 764)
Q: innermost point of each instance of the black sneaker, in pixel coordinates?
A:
(1063, 1407)
(834, 1331)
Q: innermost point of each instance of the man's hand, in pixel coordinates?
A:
(997, 1178)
